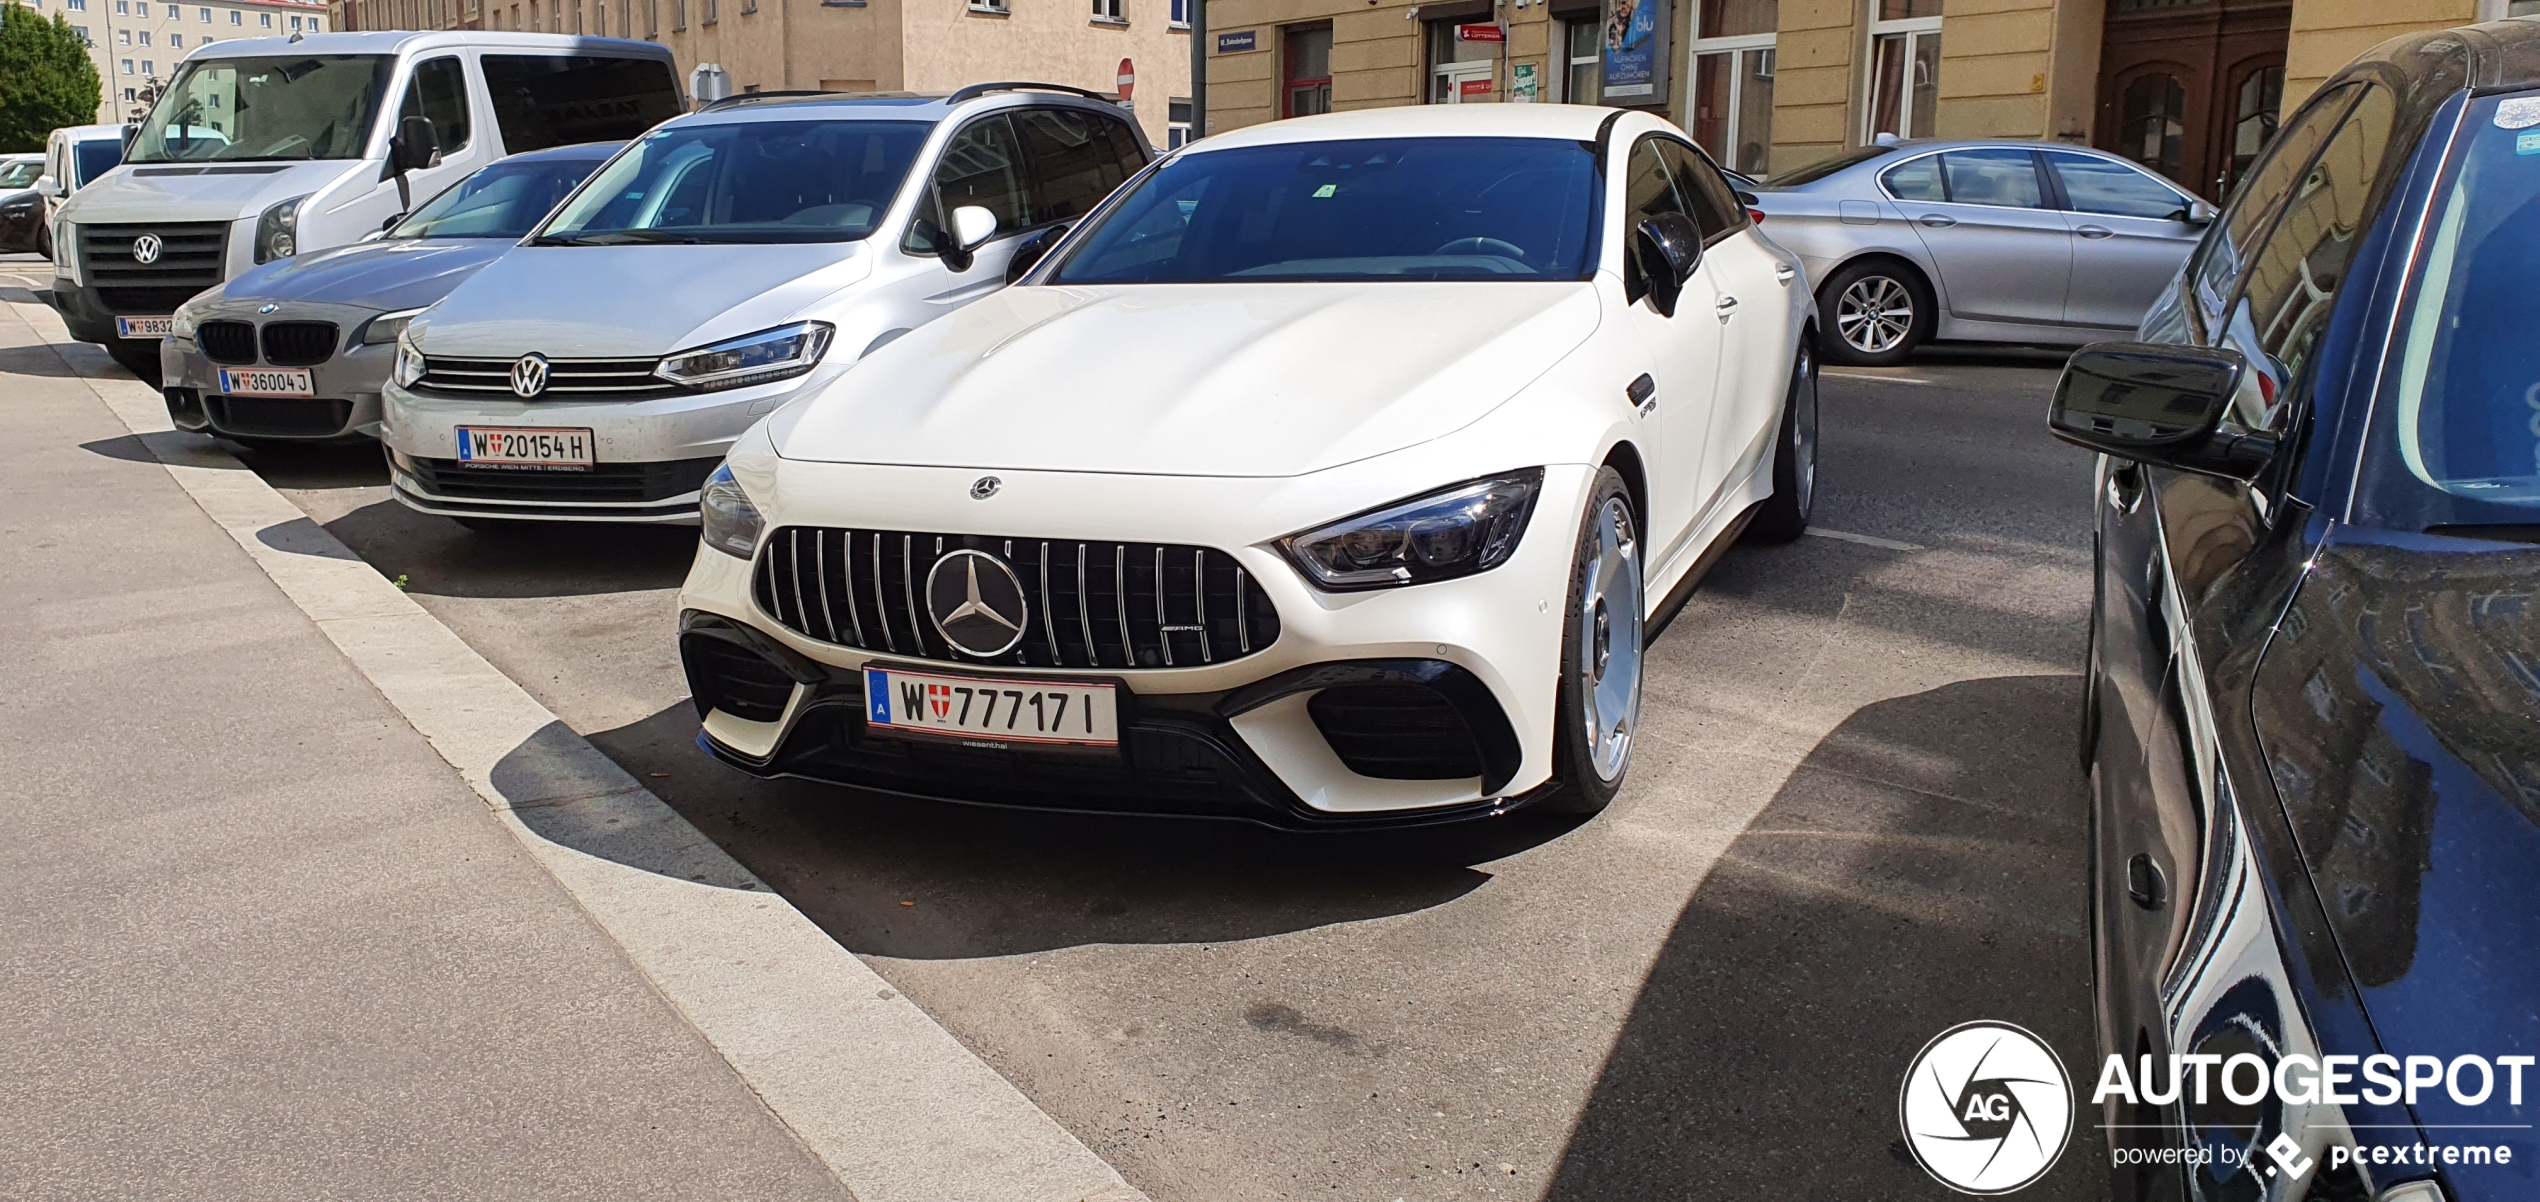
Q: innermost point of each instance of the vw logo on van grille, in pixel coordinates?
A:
(977, 603)
(145, 249)
(529, 375)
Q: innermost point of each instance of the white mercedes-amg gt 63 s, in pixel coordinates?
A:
(1328, 474)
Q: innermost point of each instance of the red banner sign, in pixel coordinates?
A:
(1475, 87)
(1480, 33)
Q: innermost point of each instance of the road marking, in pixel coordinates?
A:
(889, 1101)
(1866, 540)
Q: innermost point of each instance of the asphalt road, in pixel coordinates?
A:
(1853, 821)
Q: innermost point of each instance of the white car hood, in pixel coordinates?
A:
(598, 302)
(199, 191)
(1191, 379)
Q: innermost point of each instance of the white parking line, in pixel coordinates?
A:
(888, 1099)
(1866, 540)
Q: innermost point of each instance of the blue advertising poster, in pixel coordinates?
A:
(1636, 36)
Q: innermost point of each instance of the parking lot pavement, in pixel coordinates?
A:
(1853, 821)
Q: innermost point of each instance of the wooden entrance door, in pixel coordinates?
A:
(2191, 89)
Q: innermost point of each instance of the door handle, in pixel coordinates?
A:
(1642, 392)
(1938, 221)
(1727, 307)
(2143, 883)
(1784, 273)
(2094, 231)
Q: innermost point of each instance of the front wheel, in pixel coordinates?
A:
(1874, 314)
(1598, 709)
(1785, 513)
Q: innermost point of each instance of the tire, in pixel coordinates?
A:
(139, 358)
(1601, 662)
(1784, 515)
(1874, 290)
(44, 239)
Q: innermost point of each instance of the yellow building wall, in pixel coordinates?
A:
(946, 45)
(2327, 34)
(1812, 84)
(1996, 57)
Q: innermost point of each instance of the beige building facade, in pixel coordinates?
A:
(2191, 88)
(864, 45)
(136, 44)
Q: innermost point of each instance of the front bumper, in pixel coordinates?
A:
(347, 385)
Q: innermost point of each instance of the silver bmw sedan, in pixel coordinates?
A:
(1980, 242)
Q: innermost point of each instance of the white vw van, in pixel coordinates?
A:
(263, 148)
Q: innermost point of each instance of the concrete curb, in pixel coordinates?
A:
(895, 1106)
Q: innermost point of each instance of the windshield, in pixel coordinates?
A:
(94, 158)
(319, 107)
(20, 174)
(754, 181)
(2461, 443)
(1377, 209)
(502, 201)
(1819, 170)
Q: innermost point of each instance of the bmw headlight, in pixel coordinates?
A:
(732, 524)
(750, 359)
(1456, 531)
(387, 327)
(409, 365)
(181, 324)
(278, 231)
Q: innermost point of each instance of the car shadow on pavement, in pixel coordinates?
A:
(316, 465)
(441, 558)
(38, 360)
(1907, 878)
(896, 877)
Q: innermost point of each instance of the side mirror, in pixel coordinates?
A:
(1668, 248)
(414, 146)
(1033, 250)
(48, 187)
(2159, 404)
(972, 225)
(2200, 214)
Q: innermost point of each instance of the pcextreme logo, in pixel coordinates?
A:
(1987, 1108)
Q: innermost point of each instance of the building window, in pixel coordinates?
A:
(205, 14)
(145, 37)
(1307, 69)
(1733, 81)
(207, 40)
(84, 39)
(1177, 122)
(1178, 14)
(140, 10)
(123, 8)
(1110, 11)
(128, 96)
(236, 17)
(123, 36)
(2153, 128)
(295, 22)
(149, 68)
(127, 67)
(265, 19)
(176, 41)
(988, 6)
(1581, 56)
(1458, 68)
(1904, 69)
(78, 6)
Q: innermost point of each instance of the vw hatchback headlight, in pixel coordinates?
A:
(1456, 531)
(278, 231)
(732, 524)
(409, 365)
(387, 327)
(750, 359)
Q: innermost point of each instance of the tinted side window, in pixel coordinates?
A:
(554, 100)
(2004, 178)
(2220, 261)
(1649, 189)
(2099, 186)
(439, 95)
(2294, 275)
(1125, 149)
(1917, 180)
(1073, 165)
(982, 166)
(1715, 206)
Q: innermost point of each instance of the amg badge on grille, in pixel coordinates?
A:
(977, 603)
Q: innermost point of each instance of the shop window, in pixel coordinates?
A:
(1308, 70)
(1904, 69)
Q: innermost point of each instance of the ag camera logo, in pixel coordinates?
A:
(1987, 1108)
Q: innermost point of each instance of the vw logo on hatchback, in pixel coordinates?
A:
(145, 249)
(977, 603)
(529, 375)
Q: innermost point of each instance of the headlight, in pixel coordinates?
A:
(732, 524)
(181, 323)
(409, 365)
(278, 231)
(750, 359)
(387, 327)
(1470, 527)
(65, 250)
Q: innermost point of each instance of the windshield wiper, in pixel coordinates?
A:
(619, 238)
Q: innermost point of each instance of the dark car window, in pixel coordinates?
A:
(983, 166)
(2094, 185)
(1917, 180)
(2455, 439)
(1125, 148)
(95, 157)
(1715, 206)
(2294, 276)
(1363, 209)
(1073, 164)
(2002, 178)
(1649, 189)
(438, 93)
(2220, 261)
(502, 201)
(543, 100)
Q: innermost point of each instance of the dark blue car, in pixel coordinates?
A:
(2313, 715)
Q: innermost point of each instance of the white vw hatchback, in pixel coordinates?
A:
(1328, 474)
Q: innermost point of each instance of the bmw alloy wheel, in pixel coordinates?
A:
(1874, 314)
(1609, 646)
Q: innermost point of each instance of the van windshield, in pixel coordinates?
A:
(751, 181)
(228, 109)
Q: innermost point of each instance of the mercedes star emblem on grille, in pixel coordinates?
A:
(985, 488)
(977, 603)
(529, 375)
(145, 249)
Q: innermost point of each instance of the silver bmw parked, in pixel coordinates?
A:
(1979, 241)
(296, 350)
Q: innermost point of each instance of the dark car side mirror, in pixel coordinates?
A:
(413, 147)
(1032, 251)
(1668, 248)
(2159, 404)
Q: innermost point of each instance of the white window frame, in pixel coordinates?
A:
(997, 7)
(1914, 29)
(1568, 64)
(1111, 12)
(1177, 14)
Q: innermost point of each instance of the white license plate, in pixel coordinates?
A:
(141, 327)
(996, 712)
(266, 382)
(511, 446)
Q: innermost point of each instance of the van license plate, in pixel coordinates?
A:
(141, 327)
(980, 710)
(513, 446)
(266, 382)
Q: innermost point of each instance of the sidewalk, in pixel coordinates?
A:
(256, 938)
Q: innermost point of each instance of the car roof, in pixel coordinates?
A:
(90, 133)
(1573, 122)
(884, 106)
(574, 152)
(400, 41)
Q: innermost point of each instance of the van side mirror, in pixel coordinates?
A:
(48, 187)
(1032, 251)
(414, 146)
(2159, 404)
(1668, 248)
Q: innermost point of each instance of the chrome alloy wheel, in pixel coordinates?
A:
(1874, 314)
(1609, 644)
